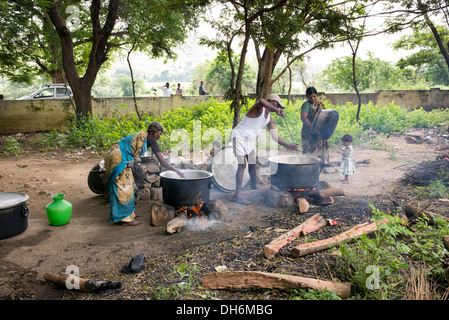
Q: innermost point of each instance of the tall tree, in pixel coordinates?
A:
(102, 27)
(426, 57)
(276, 27)
(421, 14)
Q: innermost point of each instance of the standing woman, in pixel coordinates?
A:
(312, 143)
(119, 162)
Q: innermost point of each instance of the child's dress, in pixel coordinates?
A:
(347, 166)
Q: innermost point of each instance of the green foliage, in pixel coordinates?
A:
(212, 120)
(437, 188)
(219, 74)
(309, 294)
(425, 56)
(390, 251)
(372, 73)
(12, 147)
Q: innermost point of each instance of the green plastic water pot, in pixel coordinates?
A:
(59, 211)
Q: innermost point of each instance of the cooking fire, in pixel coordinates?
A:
(196, 211)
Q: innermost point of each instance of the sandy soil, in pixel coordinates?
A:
(93, 244)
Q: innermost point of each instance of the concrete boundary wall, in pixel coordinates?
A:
(45, 115)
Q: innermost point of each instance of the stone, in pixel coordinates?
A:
(218, 210)
(152, 177)
(145, 194)
(279, 199)
(161, 214)
(156, 194)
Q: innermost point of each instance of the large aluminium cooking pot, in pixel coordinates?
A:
(188, 191)
(325, 122)
(294, 171)
(13, 214)
(224, 166)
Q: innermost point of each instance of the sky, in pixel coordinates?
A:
(192, 53)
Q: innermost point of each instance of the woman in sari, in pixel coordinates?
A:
(312, 143)
(119, 163)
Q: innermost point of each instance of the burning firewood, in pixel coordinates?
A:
(84, 285)
(312, 224)
(333, 192)
(357, 231)
(257, 279)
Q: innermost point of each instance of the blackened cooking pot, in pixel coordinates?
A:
(188, 191)
(294, 171)
(13, 214)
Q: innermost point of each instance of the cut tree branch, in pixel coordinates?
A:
(250, 279)
(357, 231)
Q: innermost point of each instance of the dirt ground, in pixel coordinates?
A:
(97, 246)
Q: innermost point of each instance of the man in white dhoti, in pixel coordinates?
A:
(244, 136)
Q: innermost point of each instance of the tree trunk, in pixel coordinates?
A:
(238, 83)
(437, 37)
(57, 76)
(359, 99)
(264, 74)
(82, 86)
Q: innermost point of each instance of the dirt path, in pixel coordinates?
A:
(94, 244)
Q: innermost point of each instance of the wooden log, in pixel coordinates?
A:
(412, 212)
(257, 279)
(312, 224)
(177, 224)
(84, 285)
(333, 192)
(303, 205)
(357, 231)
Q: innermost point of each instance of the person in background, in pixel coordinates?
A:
(201, 90)
(2, 97)
(312, 143)
(244, 136)
(179, 90)
(167, 90)
(347, 166)
(121, 162)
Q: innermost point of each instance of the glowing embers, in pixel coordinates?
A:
(311, 195)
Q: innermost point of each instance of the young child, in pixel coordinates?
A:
(347, 167)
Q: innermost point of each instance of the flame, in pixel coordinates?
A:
(193, 211)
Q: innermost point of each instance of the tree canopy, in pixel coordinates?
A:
(85, 34)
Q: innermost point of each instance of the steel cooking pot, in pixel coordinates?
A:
(294, 171)
(224, 166)
(188, 191)
(13, 214)
(325, 122)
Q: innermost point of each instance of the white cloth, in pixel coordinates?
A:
(167, 91)
(246, 133)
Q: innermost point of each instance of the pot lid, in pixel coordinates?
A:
(325, 122)
(224, 167)
(11, 199)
